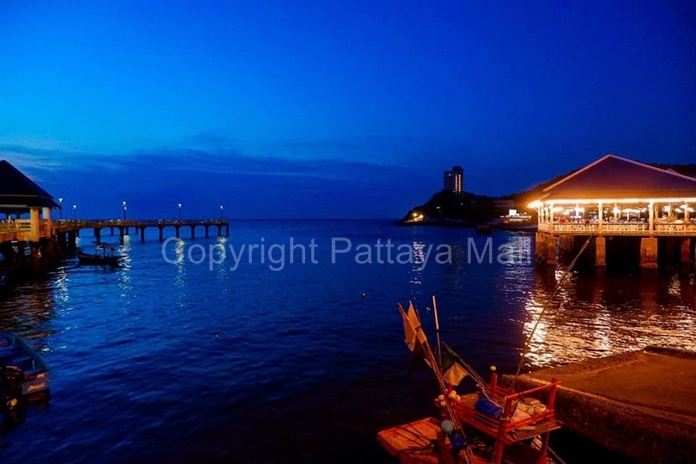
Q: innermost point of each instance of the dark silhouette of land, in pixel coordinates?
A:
(469, 209)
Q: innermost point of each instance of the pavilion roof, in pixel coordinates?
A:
(613, 177)
(18, 192)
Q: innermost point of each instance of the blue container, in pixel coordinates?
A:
(488, 408)
(457, 439)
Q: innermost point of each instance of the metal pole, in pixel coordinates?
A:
(437, 333)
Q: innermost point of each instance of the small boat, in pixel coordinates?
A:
(495, 425)
(103, 257)
(23, 372)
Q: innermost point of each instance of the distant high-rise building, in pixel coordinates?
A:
(453, 180)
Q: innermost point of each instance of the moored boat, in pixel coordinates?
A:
(495, 425)
(105, 258)
(23, 372)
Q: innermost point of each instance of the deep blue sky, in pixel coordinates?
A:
(334, 109)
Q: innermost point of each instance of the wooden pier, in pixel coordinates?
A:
(38, 242)
(50, 241)
(22, 230)
(140, 226)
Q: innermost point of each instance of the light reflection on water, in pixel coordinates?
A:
(220, 258)
(594, 317)
(221, 345)
(124, 276)
(416, 272)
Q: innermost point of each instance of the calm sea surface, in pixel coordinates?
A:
(165, 360)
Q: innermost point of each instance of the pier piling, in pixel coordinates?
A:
(686, 251)
(600, 252)
(648, 253)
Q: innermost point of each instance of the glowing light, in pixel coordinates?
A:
(595, 201)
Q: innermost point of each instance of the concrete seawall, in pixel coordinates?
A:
(641, 404)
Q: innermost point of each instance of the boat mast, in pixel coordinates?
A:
(437, 334)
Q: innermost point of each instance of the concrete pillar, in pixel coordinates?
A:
(72, 242)
(20, 251)
(35, 256)
(648, 253)
(177, 231)
(112, 231)
(193, 231)
(566, 243)
(63, 242)
(142, 234)
(220, 230)
(550, 250)
(35, 223)
(161, 233)
(566, 246)
(97, 234)
(121, 233)
(48, 249)
(227, 230)
(206, 231)
(600, 251)
(539, 254)
(686, 251)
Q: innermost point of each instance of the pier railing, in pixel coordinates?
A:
(21, 229)
(138, 222)
(627, 228)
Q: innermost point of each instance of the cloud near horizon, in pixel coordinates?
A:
(154, 182)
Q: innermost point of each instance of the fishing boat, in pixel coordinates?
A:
(494, 425)
(104, 256)
(23, 372)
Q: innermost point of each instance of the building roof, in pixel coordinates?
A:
(18, 192)
(614, 178)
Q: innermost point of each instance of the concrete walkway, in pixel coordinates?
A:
(641, 404)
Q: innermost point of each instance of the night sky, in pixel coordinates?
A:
(334, 109)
